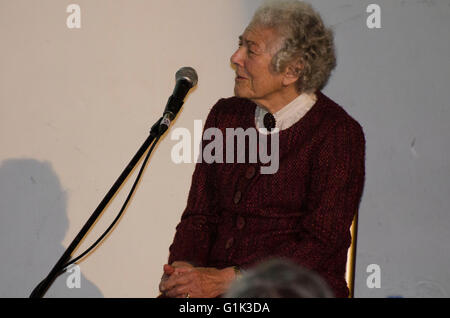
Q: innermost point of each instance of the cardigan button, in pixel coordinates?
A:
(240, 222)
(229, 243)
(237, 197)
(250, 173)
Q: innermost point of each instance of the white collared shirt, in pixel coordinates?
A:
(289, 114)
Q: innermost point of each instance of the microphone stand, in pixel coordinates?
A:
(40, 290)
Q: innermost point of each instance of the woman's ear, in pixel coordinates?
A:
(292, 73)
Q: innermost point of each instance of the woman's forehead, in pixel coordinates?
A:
(262, 37)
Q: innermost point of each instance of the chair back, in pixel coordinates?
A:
(351, 258)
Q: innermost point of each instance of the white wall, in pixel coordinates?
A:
(77, 103)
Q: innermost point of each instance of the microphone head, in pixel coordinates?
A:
(187, 73)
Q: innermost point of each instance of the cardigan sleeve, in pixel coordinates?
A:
(195, 232)
(334, 195)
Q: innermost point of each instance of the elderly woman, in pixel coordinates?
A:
(237, 217)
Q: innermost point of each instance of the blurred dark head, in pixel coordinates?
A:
(279, 278)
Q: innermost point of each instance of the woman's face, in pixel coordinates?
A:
(255, 79)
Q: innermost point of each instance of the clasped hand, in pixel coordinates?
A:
(181, 280)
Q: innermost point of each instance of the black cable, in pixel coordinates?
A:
(120, 212)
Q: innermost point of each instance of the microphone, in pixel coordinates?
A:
(186, 78)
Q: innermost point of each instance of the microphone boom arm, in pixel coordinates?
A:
(40, 290)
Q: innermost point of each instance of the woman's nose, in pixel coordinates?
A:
(237, 57)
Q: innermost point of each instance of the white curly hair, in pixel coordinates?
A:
(306, 43)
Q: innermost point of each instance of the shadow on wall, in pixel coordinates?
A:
(33, 223)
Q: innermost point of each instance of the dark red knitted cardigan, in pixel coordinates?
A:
(303, 212)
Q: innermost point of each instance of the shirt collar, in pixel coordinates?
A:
(289, 114)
